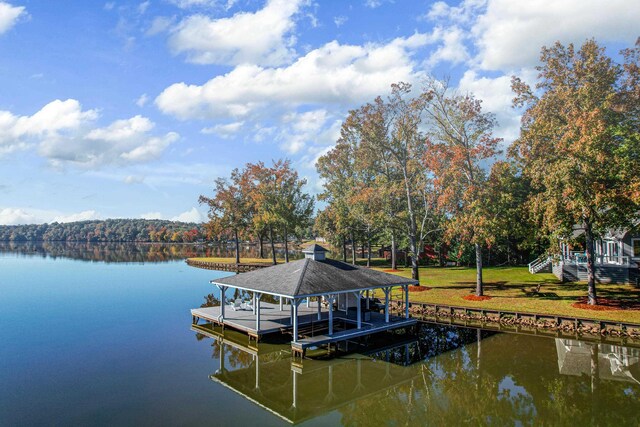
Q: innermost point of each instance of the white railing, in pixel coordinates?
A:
(539, 264)
(580, 258)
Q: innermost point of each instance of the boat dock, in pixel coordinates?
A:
(313, 323)
(315, 300)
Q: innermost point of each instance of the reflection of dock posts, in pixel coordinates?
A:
(221, 369)
(329, 397)
(294, 398)
(386, 303)
(479, 339)
(406, 355)
(256, 361)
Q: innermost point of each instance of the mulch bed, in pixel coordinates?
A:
(476, 298)
(604, 304)
(391, 270)
(413, 288)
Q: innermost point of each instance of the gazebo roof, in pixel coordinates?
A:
(308, 277)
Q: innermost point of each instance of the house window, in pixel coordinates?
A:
(635, 243)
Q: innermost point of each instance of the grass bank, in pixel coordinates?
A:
(514, 288)
(510, 288)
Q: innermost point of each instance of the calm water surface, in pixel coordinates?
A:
(110, 343)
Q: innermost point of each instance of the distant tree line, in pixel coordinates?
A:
(110, 230)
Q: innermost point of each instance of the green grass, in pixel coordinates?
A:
(512, 288)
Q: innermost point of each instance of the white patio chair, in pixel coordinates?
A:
(237, 305)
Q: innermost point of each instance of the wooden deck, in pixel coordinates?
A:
(271, 318)
(241, 267)
(312, 331)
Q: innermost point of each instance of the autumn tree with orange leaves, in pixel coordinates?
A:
(579, 143)
(459, 138)
(229, 210)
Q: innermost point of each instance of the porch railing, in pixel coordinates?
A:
(580, 258)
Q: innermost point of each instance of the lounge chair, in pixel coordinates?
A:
(248, 305)
(237, 305)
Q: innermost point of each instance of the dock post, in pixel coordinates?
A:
(280, 298)
(294, 305)
(386, 303)
(358, 309)
(367, 299)
(222, 300)
(257, 297)
(330, 298)
(319, 300)
(406, 301)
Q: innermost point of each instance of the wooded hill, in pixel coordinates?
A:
(110, 230)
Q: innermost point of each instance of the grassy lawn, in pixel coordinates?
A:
(511, 288)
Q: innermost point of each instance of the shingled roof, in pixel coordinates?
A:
(310, 277)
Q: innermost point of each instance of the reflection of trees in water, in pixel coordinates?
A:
(510, 379)
(124, 252)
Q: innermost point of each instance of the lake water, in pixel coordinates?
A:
(84, 341)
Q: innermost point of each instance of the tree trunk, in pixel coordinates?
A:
(479, 270)
(344, 248)
(260, 245)
(362, 249)
(286, 245)
(353, 249)
(368, 249)
(273, 247)
(235, 232)
(394, 261)
(591, 276)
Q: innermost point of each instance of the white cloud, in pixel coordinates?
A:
(262, 37)
(65, 133)
(142, 100)
(15, 216)
(80, 216)
(452, 48)
(142, 7)
(332, 74)
(299, 129)
(186, 4)
(340, 20)
(133, 179)
(9, 15)
(496, 96)
(192, 215)
(151, 215)
(224, 131)
(160, 24)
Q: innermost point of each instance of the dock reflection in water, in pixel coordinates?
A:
(443, 376)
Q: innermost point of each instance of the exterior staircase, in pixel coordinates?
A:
(539, 264)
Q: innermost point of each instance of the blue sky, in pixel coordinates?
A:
(133, 108)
